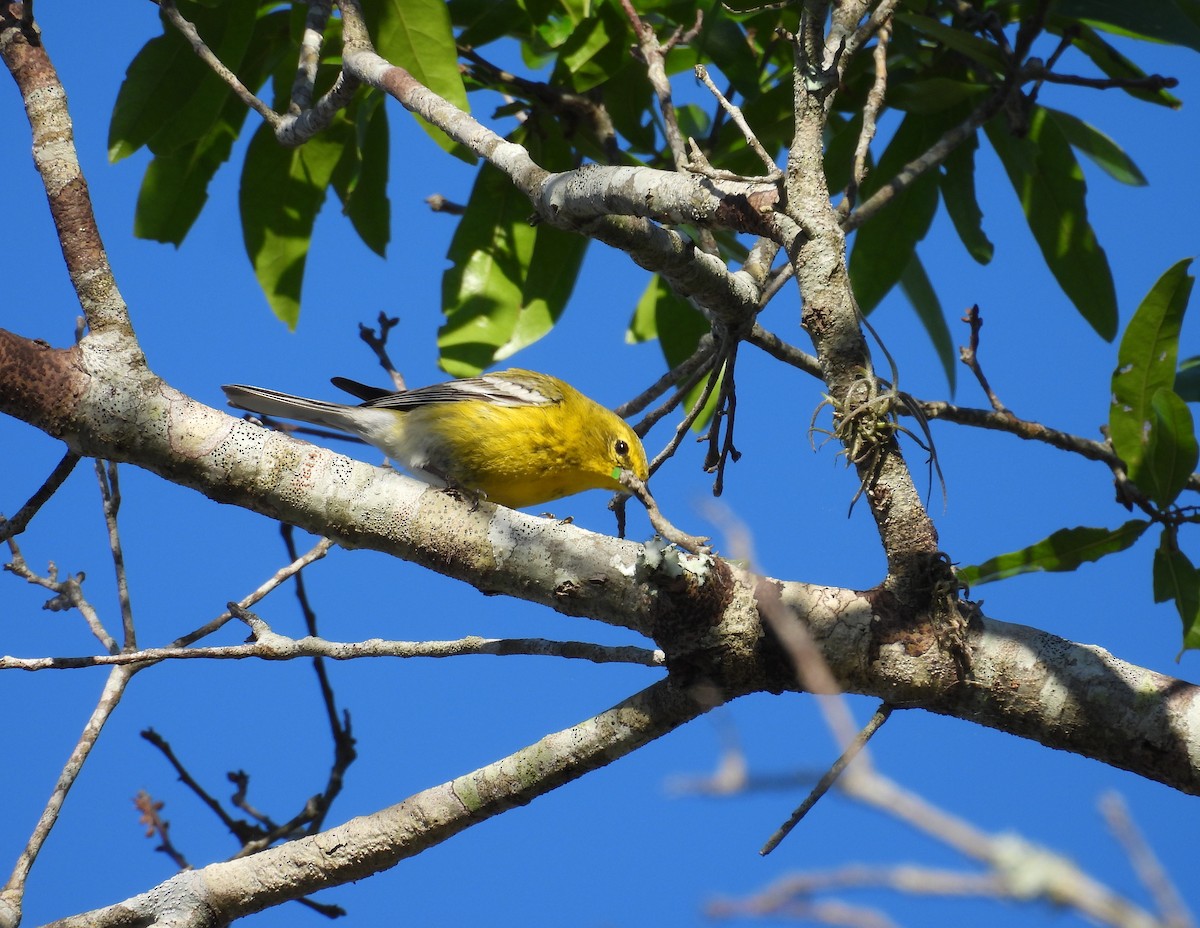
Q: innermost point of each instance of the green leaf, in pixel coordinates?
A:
(933, 94)
(1171, 452)
(1064, 550)
(916, 286)
(959, 40)
(548, 284)
(884, 246)
(1049, 183)
(1146, 363)
(175, 185)
(957, 181)
(509, 281)
(1187, 380)
(662, 314)
(169, 96)
(484, 21)
(723, 42)
(1161, 20)
(1099, 147)
(361, 176)
(597, 48)
(282, 190)
(1175, 578)
(417, 35)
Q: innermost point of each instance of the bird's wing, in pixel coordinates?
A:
(508, 388)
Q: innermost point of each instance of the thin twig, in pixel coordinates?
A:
(19, 522)
(240, 829)
(970, 357)
(318, 551)
(277, 647)
(155, 824)
(188, 31)
(822, 787)
(110, 493)
(68, 594)
(681, 428)
(1145, 863)
(1151, 82)
(695, 544)
(654, 55)
(110, 696)
(378, 344)
(344, 753)
(871, 110)
(774, 174)
(693, 367)
(931, 158)
(777, 348)
(309, 58)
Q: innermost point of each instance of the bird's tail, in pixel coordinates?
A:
(285, 406)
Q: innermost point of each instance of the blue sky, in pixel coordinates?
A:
(614, 848)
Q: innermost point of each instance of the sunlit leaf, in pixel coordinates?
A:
(1171, 452)
(417, 35)
(362, 174)
(885, 244)
(1100, 148)
(958, 193)
(916, 286)
(282, 190)
(1161, 20)
(1049, 183)
(662, 314)
(169, 96)
(1176, 579)
(1066, 549)
(1146, 363)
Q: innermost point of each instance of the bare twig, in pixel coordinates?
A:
(654, 56)
(439, 204)
(970, 357)
(693, 367)
(774, 173)
(150, 816)
(378, 344)
(110, 493)
(871, 110)
(239, 828)
(188, 31)
(315, 22)
(830, 777)
(1145, 863)
(692, 543)
(1151, 82)
(277, 647)
(110, 696)
(68, 595)
(318, 551)
(777, 348)
(10, 528)
(931, 158)
(682, 427)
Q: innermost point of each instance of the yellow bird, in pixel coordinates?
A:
(516, 437)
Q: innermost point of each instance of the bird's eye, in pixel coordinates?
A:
(621, 447)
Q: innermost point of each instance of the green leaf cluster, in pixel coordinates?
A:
(1152, 433)
(579, 95)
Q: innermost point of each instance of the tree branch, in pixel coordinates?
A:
(370, 843)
